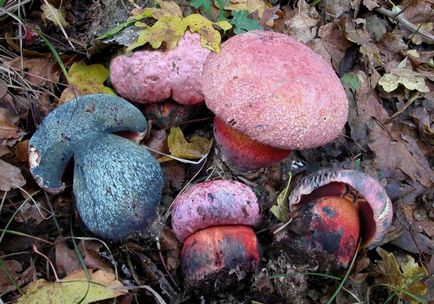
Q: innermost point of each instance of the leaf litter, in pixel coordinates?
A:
(385, 66)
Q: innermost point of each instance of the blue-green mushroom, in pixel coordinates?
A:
(117, 183)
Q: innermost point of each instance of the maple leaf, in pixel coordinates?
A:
(242, 23)
(405, 279)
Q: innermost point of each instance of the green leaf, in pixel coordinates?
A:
(206, 4)
(351, 81)
(281, 209)
(222, 14)
(242, 23)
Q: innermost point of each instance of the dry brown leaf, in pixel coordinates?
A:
(365, 110)
(66, 259)
(21, 151)
(32, 212)
(39, 71)
(13, 268)
(10, 177)
(92, 256)
(371, 4)
(3, 88)
(332, 43)
(172, 247)
(337, 8)
(394, 154)
(8, 129)
(301, 23)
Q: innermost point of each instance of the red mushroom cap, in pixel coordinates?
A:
(275, 90)
(214, 203)
(152, 76)
(215, 254)
(375, 209)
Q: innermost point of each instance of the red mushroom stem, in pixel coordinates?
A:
(241, 151)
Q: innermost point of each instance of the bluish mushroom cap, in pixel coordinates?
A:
(117, 183)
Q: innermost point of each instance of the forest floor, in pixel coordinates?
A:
(383, 54)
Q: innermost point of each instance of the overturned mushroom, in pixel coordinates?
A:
(117, 184)
(271, 94)
(332, 210)
(214, 221)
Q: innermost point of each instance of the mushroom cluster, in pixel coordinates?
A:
(214, 221)
(117, 184)
(271, 94)
(332, 211)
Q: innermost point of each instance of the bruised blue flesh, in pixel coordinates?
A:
(115, 195)
(117, 183)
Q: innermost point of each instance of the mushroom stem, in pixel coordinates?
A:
(241, 151)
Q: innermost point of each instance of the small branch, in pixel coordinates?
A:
(401, 20)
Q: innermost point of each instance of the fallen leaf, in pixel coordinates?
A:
(21, 151)
(39, 71)
(171, 245)
(411, 80)
(371, 4)
(247, 5)
(10, 272)
(394, 154)
(336, 8)
(210, 38)
(32, 212)
(301, 23)
(57, 16)
(8, 128)
(376, 27)
(418, 39)
(364, 111)
(10, 177)
(351, 81)
(242, 23)
(86, 79)
(3, 88)
(181, 148)
(281, 209)
(408, 276)
(206, 4)
(66, 259)
(74, 288)
(170, 27)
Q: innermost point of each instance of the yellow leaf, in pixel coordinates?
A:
(224, 25)
(246, 5)
(408, 276)
(210, 38)
(409, 79)
(281, 209)
(53, 14)
(86, 79)
(167, 8)
(74, 288)
(168, 30)
(180, 147)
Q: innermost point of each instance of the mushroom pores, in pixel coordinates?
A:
(214, 219)
(274, 90)
(209, 255)
(117, 184)
(241, 151)
(332, 228)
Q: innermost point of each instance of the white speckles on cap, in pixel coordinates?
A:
(275, 90)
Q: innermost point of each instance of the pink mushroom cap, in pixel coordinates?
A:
(150, 76)
(214, 203)
(276, 90)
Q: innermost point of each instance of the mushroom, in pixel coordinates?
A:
(332, 211)
(117, 184)
(214, 220)
(271, 94)
(152, 76)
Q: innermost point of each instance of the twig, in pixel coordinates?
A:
(400, 111)
(401, 20)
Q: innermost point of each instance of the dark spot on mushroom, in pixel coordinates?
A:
(90, 108)
(210, 196)
(329, 211)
